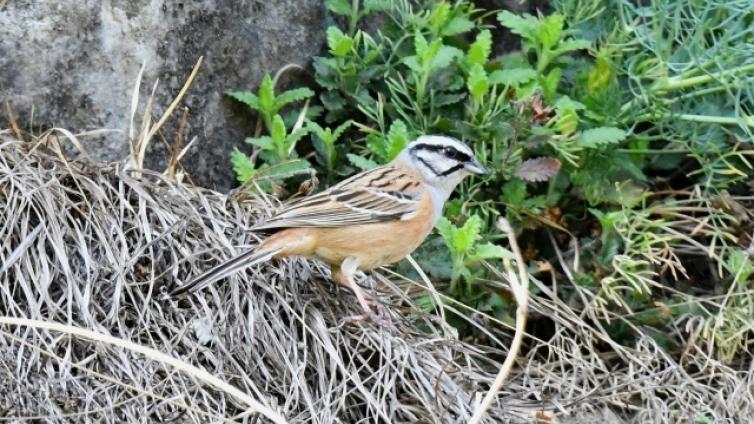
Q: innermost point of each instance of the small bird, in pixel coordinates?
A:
(374, 218)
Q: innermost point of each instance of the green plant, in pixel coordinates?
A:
(277, 150)
(617, 128)
(267, 103)
(465, 252)
(325, 142)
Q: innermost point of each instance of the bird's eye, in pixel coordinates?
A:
(451, 153)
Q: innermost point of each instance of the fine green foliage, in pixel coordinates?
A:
(619, 139)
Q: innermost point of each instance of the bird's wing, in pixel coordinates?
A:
(381, 194)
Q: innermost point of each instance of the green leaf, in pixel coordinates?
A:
(290, 96)
(513, 77)
(286, 168)
(246, 97)
(447, 230)
(480, 49)
(488, 251)
(457, 25)
(438, 17)
(602, 136)
(550, 30)
(264, 142)
(339, 43)
(514, 192)
(339, 7)
(413, 63)
(566, 121)
(420, 45)
(341, 129)
(431, 53)
(477, 82)
(600, 75)
(467, 235)
(371, 6)
(550, 82)
(445, 57)
(361, 162)
(397, 139)
(267, 96)
(526, 26)
(296, 136)
(242, 166)
(316, 129)
(570, 45)
(277, 132)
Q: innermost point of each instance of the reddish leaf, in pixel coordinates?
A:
(538, 169)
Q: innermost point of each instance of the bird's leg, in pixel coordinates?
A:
(344, 276)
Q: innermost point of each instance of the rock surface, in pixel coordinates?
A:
(75, 64)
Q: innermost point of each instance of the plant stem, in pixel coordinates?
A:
(677, 83)
(354, 17)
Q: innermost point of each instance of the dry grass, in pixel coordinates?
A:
(93, 247)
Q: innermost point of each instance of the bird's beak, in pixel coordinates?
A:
(475, 167)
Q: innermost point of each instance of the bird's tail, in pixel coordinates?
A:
(225, 269)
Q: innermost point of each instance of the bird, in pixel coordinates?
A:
(374, 218)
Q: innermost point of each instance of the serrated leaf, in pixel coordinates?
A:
(570, 45)
(447, 230)
(488, 251)
(550, 82)
(431, 53)
(514, 192)
(550, 30)
(338, 43)
(538, 169)
(277, 132)
(513, 77)
(286, 168)
(246, 97)
(438, 17)
(413, 63)
(378, 145)
(361, 162)
(445, 57)
(448, 99)
(296, 136)
(266, 95)
(526, 26)
(420, 45)
(264, 142)
(457, 25)
(601, 73)
(602, 136)
(332, 100)
(339, 7)
(371, 6)
(290, 96)
(477, 82)
(480, 49)
(466, 236)
(341, 129)
(242, 166)
(397, 139)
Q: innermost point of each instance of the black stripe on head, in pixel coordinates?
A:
(447, 151)
(452, 170)
(431, 168)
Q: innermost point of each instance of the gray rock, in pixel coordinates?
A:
(75, 63)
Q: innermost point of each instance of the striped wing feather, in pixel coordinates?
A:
(378, 195)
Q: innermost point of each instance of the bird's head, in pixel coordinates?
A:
(441, 161)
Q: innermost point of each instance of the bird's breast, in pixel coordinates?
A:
(379, 243)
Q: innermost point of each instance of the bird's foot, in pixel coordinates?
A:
(373, 312)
